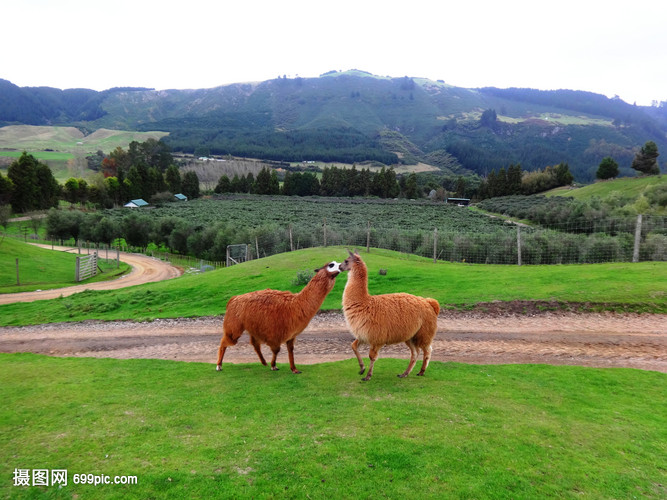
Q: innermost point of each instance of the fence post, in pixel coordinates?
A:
(435, 245)
(76, 274)
(257, 246)
(291, 243)
(18, 282)
(117, 257)
(325, 231)
(518, 244)
(638, 237)
(368, 237)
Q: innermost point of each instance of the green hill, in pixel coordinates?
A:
(354, 116)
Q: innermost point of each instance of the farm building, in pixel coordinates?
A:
(136, 203)
(461, 202)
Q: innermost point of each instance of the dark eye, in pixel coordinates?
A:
(331, 265)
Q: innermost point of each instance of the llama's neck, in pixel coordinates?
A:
(313, 294)
(356, 288)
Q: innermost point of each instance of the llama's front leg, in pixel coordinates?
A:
(413, 359)
(427, 358)
(355, 348)
(275, 351)
(290, 355)
(373, 354)
(224, 343)
(256, 344)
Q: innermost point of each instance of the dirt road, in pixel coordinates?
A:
(144, 270)
(599, 340)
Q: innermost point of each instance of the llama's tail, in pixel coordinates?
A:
(434, 304)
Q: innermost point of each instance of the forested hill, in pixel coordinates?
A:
(354, 116)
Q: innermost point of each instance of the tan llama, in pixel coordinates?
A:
(379, 320)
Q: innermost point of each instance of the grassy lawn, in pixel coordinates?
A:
(42, 269)
(617, 286)
(462, 431)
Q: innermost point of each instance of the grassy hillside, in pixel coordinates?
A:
(462, 431)
(637, 287)
(626, 187)
(64, 149)
(42, 269)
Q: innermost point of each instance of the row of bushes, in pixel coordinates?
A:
(490, 247)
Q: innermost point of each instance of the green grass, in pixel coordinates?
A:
(462, 431)
(626, 187)
(42, 269)
(640, 287)
(40, 155)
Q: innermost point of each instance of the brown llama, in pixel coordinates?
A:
(380, 320)
(275, 317)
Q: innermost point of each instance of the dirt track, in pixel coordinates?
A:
(519, 334)
(600, 340)
(144, 270)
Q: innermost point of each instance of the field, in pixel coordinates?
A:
(41, 269)
(638, 287)
(64, 148)
(462, 431)
(310, 213)
(626, 187)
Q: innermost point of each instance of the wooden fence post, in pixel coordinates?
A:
(325, 231)
(291, 243)
(638, 237)
(435, 245)
(518, 244)
(368, 237)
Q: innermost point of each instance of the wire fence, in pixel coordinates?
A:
(627, 239)
(632, 239)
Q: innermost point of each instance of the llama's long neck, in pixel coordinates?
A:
(313, 294)
(356, 288)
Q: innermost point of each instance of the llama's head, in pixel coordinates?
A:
(349, 263)
(331, 270)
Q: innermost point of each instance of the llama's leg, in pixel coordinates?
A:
(275, 350)
(290, 354)
(224, 344)
(427, 358)
(256, 344)
(355, 348)
(413, 359)
(373, 354)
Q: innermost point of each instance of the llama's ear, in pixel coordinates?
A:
(351, 254)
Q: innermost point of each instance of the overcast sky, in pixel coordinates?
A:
(609, 47)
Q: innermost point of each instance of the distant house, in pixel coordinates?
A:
(136, 203)
(461, 202)
(181, 197)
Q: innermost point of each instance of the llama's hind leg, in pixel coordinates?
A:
(355, 348)
(373, 355)
(427, 358)
(413, 359)
(290, 354)
(256, 344)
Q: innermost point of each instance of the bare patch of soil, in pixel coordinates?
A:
(501, 336)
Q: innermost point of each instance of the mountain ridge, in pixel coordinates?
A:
(348, 116)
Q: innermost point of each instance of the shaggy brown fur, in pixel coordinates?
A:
(380, 320)
(275, 317)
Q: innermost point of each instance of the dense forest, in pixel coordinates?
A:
(354, 116)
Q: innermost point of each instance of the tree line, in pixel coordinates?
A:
(146, 170)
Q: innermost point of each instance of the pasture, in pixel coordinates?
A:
(640, 287)
(462, 431)
(64, 148)
(43, 269)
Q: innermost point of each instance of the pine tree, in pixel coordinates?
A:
(646, 160)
